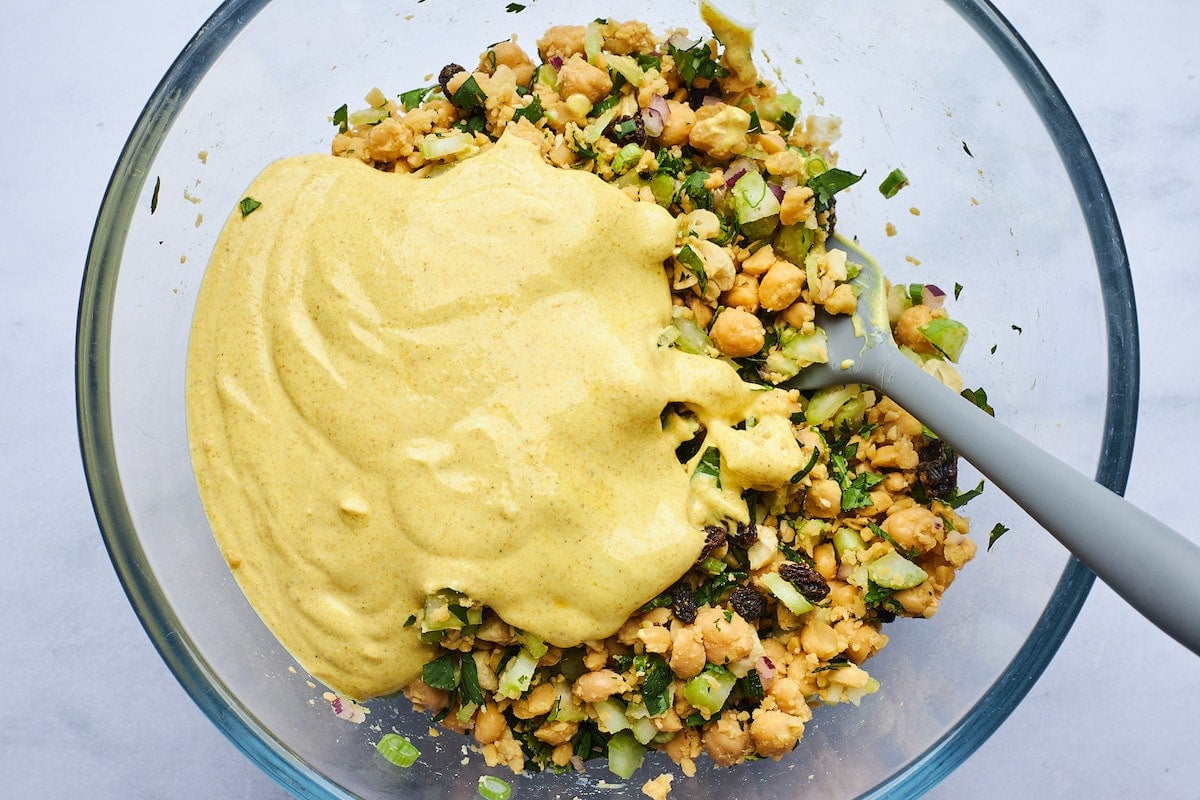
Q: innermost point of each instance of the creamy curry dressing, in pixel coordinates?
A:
(398, 385)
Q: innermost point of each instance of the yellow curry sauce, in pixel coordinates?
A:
(401, 384)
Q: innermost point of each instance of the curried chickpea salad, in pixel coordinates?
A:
(801, 569)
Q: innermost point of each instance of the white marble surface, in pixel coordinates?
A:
(1114, 715)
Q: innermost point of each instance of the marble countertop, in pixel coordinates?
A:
(1113, 716)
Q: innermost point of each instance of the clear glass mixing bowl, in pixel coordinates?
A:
(1011, 206)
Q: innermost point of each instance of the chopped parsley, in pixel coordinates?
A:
(958, 499)
(341, 118)
(690, 259)
(979, 399)
(829, 183)
(514, 8)
(442, 672)
(998, 530)
(469, 95)
(154, 195)
(248, 206)
(532, 111)
(696, 62)
(414, 97)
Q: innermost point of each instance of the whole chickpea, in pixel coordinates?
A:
(780, 286)
(737, 333)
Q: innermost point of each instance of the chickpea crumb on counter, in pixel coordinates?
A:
(806, 560)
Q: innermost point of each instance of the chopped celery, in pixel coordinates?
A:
(709, 690)
(493, 788)
(567, 707)
(898, 301)
(894, 571)
(847, 540)
(641, 726)
(793, 242)
(807, 348)
(786, 593)
(368, 116)
(780, 367)
(593, 41)
(625, 754)
(626, 67)
(692, 338)
(398, 750)
(949, 336)
(547, 75)
(781, 109)
(851, 413)
(433, 146)
(753, 199)
(517, 676)
(826, 402)
(713, 565)
(595, 129)
(610, 715)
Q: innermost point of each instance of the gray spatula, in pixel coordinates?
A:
(1156, 570)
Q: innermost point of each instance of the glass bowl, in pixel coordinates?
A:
(1006, 200)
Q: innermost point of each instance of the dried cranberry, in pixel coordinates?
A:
(683, 603)
(806, 579)
(714, 537)
(746, 535)
(748, 603)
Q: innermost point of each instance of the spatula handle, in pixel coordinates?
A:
(1154, 568)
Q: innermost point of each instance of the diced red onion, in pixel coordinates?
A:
(347, 709)
(556, 62)
(766, 671)
(652, 122)
(776, 190)
(711, 100)
(732, 176)
(932, 296)
(789, 182)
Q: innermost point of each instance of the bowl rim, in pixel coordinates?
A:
(93, 407)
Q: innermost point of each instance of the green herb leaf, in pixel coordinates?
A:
(248, 206)
(710, 464)
(441, 673)
(656, 682)
(696, 62)
(154, 194)
(691, 259)
(958, 287)
(533, 111)
(959, 499)
(711, 591)
(856, 494)
(998, 530)
(829, 183)
(812, 462)
(670, 164)
(514, 8)
(469, 95)
(414, 97)
(341, 118)
(472, 124)
(893, 183)
(693, 188)
(980, 399)
(469, 672)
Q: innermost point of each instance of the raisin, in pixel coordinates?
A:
(683, 603)
(748, 603)
(714, 537)
(628, 130)
(746, 535)
(937, 469)
(806, 579)
(448, 72)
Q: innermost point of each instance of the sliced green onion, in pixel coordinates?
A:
(493, 788)
(398, 750)
(627, 157)
(893, 183)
